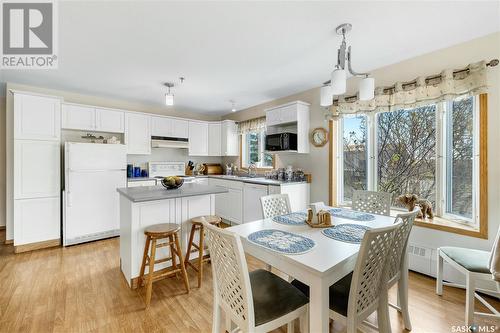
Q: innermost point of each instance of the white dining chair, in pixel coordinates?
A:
(475, 265)
(258, 301)
(397, 265)
(364, 291)
(274, 205)
(372, 202)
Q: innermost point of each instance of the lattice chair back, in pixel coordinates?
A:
(372, 202)
(232, 290)
(397, 255)
(370, 272)
(274, 205)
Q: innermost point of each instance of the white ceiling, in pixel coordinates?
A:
(250, 52)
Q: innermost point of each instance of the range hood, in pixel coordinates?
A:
(168, 142)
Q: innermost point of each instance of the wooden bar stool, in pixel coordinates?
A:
(197, 225)
(153, 234)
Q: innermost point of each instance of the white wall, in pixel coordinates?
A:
(458, 56)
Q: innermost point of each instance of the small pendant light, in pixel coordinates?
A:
(169, 97)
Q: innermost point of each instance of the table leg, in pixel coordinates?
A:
(318, 307)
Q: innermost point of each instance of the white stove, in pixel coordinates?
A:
(164, 169)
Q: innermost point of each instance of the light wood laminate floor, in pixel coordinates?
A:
(81, 289)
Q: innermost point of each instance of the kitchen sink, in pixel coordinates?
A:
(235, 177)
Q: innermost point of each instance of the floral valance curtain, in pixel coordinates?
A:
(421, 91)
(252, 125)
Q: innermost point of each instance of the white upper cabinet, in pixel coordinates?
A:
(286, 114)
(198, 138)
(138, 133)
(229, 138)
(79, 117)
(90, 118)
(180, 128)
(292, 117)
(161, 126)
(273, 117)
(110, 120)
(37, 117)
(214, 139)
(169, 127)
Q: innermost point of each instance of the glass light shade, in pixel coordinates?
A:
(367, 89)
(339, 82)
(326, 96)
(169, 99)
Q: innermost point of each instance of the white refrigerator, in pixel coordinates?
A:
(92, 173)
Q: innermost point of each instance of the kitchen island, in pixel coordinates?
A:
(141, 207)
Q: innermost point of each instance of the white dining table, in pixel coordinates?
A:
(328, 261)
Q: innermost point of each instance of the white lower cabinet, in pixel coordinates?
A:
(135, 217)
(299, 194)
(235, 204)
(36, 169)
(252, 193)
(36, 220)
(229, 205)
(242, 203)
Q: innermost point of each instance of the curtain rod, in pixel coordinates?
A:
(491, 63)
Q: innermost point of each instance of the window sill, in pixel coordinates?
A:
(448, 225)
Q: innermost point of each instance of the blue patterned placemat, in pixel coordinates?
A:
(351, 214)
(349, 233)
(297, 218)
(282, 241)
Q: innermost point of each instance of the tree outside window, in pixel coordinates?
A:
(430, 151)
(406, 152)
(253, 150)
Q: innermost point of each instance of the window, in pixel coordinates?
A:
(431, 151)
(406, 152)
(252, 150)
(460, 123)
(354, 155)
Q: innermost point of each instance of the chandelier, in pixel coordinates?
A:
(338, 82)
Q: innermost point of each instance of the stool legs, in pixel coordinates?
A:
(200, 256)
(175, 253)
(181, 262)
(199, 267)
(190, 244)
(149, 287)
(144, 260)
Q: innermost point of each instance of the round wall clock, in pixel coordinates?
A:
(319, 137)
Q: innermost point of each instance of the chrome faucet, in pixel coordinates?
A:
(252, 170)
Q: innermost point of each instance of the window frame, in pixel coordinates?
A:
(478, 222)
(261, 151)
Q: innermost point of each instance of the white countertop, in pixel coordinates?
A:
(152, 193)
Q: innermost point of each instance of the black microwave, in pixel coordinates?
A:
(281, 141)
